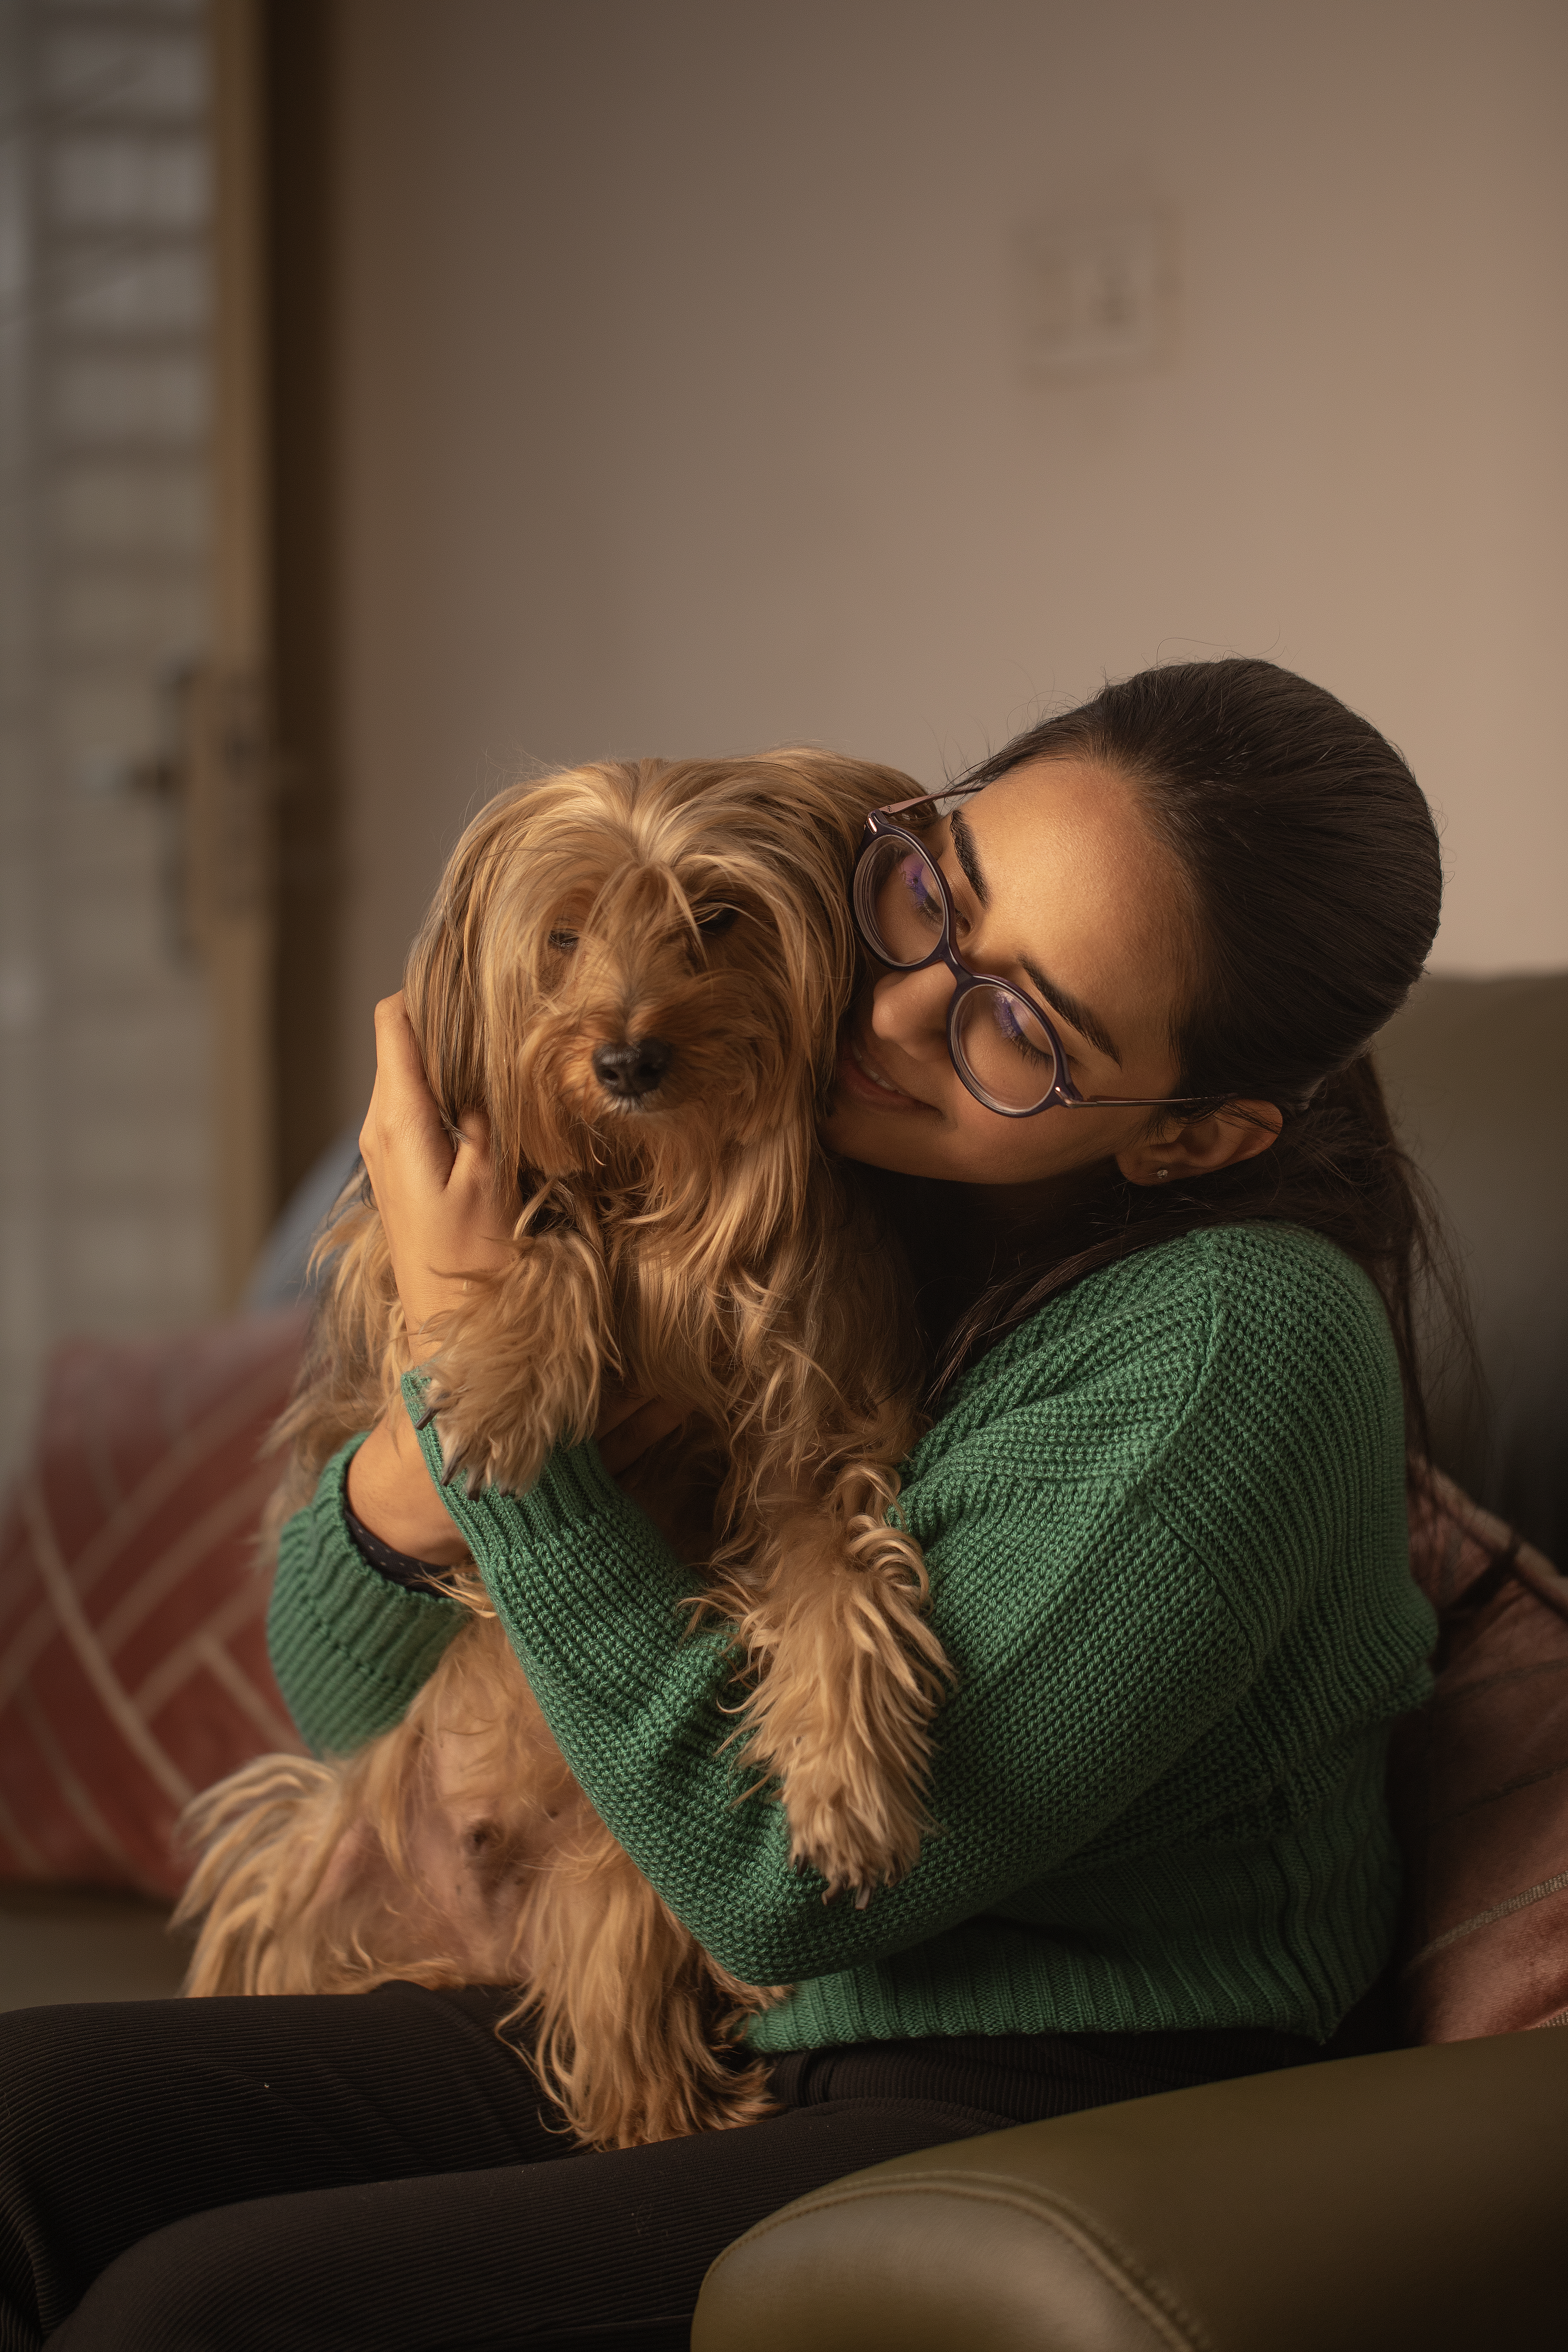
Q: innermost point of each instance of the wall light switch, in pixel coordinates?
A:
(1099, 295)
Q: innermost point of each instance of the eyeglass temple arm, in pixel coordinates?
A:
(1141, 1102)
(925, 800)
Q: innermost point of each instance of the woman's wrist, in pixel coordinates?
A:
(390, 1490)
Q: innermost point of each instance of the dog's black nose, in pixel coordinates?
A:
(634, 1070)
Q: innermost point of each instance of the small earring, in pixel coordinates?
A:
(1161, 1174)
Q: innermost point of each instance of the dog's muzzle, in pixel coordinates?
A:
(629, 1072)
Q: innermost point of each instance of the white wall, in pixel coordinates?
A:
(682, 407)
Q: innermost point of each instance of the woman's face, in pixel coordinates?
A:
(1058, 885)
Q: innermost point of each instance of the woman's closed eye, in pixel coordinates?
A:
(923, 901)
(1020, 1029)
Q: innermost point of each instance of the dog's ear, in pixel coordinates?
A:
(442, 998)
(471, 982)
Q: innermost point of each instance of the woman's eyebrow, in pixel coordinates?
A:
(1077, 1017)
(968, 857)
(1060, 1000)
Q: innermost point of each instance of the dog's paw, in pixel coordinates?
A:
(506, 1448)
(519, 1366)
(856, 1840)
(841, 1718)
(850, 1754)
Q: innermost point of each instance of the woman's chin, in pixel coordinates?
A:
(863, 1132)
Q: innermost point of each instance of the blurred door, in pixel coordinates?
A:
(135, 1156)
(229, 767)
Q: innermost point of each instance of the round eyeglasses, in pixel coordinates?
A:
(1002, 1044)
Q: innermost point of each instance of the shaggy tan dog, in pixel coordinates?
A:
(639, 973)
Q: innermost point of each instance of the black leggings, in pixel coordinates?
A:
(375, 2170)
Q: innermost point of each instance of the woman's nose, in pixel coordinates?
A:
(909, 1009)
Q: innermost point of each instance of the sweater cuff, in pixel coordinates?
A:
(590, 1595)
(571, 1490)
(349, 1648)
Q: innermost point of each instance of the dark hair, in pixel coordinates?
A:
(1313, 863)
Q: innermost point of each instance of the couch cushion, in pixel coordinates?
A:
(133, 1639)
(1470, 1069)
(1480, 1784)
(1407, 2203)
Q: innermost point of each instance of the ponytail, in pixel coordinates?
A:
(1311, 860)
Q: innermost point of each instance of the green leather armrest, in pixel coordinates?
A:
(1414, 2202)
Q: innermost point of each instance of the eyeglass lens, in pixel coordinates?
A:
(998, 1040)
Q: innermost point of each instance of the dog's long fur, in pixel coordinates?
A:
(694, 1244)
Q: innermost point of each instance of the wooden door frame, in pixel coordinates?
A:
(300, 42)
(226, 761)
(260, 752)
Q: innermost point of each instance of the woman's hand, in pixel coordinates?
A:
(437, 1205)
(390, 1488)
(436, 1199)
(436, 1196)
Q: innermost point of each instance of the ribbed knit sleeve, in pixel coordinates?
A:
(1165, 1532)
(349, 1648)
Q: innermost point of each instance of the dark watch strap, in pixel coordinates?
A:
(397, 1567)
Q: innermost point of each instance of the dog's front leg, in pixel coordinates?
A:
(852, 1675)
(521, 1361)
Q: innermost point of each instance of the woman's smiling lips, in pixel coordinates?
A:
(861, 1076)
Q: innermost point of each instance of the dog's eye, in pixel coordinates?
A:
(564, 941)
(714, 919)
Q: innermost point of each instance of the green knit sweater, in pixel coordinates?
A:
(1164, 1521)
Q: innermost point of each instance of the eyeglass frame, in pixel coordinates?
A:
(1064, 1094)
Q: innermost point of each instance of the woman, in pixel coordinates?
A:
(1162, 1505)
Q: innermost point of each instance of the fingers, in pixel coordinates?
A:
(472, 1148)
(433, 1188)
(404, 1116)
(404, 1095)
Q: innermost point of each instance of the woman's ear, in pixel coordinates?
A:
(1238, 1132)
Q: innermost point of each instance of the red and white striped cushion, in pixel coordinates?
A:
(132, 1641)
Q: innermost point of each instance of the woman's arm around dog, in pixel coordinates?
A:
(1165, 1529)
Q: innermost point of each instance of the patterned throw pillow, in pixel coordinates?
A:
(132, 1643)
(1481, 1784)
